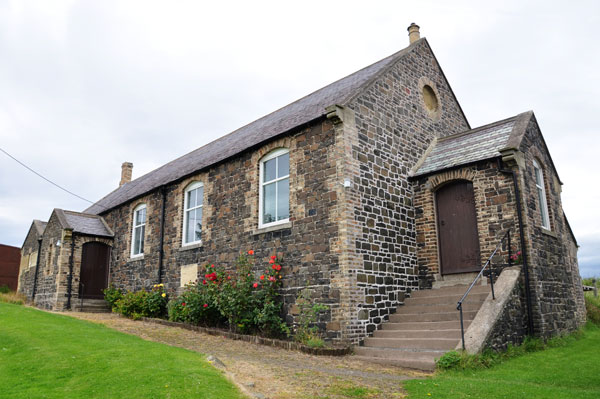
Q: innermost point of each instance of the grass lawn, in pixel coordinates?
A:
(45, 355)
(570, 371)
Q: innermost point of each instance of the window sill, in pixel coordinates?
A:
(191, 246)
(549, 232)
(286, 225)
(135, 258)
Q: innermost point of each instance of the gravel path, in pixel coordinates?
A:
(273, 373)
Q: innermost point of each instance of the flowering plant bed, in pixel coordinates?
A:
(341, 350)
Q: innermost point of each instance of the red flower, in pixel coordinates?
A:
(204, 282)
(251, 252)
(274, 257)
(276, 267)
(211, 277)
(212, 265)
(272, 261)
(262, 277)
(206, 305)
(228, 277)
(255, 285)
(182, 303)
(271, 278)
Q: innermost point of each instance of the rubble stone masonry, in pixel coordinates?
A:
(555, 281)
(394, 127)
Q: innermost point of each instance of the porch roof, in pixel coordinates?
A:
(84, 223)
(484, 142)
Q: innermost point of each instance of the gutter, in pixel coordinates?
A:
(161, 252)
(522, 243)
(37, 268)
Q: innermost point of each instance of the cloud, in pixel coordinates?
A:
(89, 85)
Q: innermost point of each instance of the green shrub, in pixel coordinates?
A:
(112, 295)
(315, 343)
(589, 281)
(236, 299)
(156, 302)
(132, 303)
(12, 297)
(308, 314)
(4, 289)
(459, 360)
(592, 307)
(449, 360)
(141, 303)
(195, 306)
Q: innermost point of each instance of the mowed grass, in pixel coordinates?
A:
(44, 355)
(569, 371)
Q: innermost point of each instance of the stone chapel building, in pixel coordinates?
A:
(373, 189)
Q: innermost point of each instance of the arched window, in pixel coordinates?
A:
(139, 229)
(274, 195)
(192, 213)
(541, 192)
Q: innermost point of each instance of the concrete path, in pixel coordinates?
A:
(267, 372)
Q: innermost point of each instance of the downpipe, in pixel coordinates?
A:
(522, 243)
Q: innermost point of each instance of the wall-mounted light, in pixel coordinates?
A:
(347, 183)
(58, 243)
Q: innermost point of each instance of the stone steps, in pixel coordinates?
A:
(441, 316)
(423, 329)
(412, 343)
(437, 308)
(453, 333)
(446, 299)
(91, 306)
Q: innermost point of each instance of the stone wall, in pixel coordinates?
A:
(308, 244)
(29, 255)
(393, 128)
(53, 258)
(494, 204)
(511, 325)
(555, 280)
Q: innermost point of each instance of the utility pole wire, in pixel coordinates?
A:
(48, 180)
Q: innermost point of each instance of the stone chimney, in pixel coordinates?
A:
(413, 33)
(126, 171)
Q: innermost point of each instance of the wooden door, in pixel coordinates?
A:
(457, 228)
(94, 269)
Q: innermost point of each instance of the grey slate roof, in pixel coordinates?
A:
(484, 142)
(298, 113)
(83, 223)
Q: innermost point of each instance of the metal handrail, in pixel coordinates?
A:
(487, 263)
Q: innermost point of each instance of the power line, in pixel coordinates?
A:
(48, 180)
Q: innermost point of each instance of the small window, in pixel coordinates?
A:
(139, 229)
(274, 196)
(541, 192)
(192, 208)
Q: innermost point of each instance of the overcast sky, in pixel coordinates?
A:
(87, 85)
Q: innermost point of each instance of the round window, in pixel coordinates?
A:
(431, 100)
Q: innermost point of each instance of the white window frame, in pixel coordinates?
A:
(541, 193)
(273, 154)
(134, 227)
(192, 186)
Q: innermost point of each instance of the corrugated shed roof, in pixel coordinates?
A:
(473, 145)
(85, 223)
(268, 127)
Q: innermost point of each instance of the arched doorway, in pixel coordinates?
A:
(94, 269)
(458, 239)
